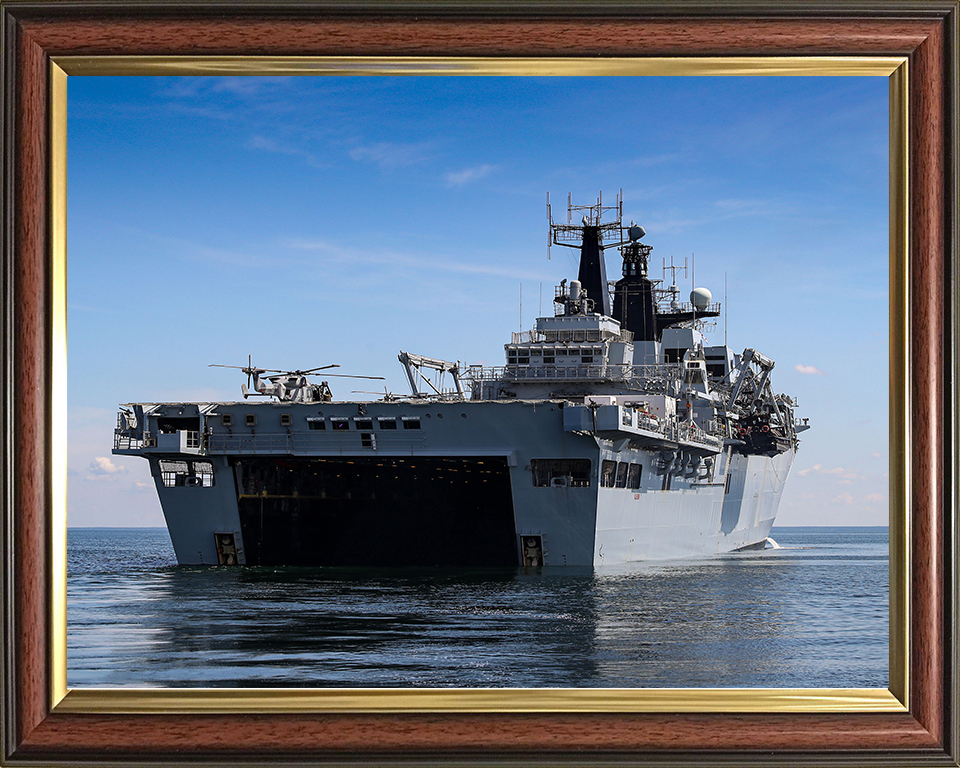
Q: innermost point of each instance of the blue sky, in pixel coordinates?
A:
(318, 220)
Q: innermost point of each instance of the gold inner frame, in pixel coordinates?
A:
(540, 700)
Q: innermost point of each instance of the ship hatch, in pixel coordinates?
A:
(531, 548)
(226, 548)
(377, 511)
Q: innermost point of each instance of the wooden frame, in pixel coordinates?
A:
(39, 729)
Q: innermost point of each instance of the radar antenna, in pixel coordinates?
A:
(673, 290)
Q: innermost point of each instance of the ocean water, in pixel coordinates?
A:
(811, 614)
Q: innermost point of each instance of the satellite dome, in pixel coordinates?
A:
(701, 298)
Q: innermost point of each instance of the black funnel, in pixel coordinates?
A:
(593, 273)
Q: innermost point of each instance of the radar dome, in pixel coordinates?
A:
(701, 298)
(636, 232)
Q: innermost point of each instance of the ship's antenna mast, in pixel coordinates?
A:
(693, 280)
(550, 228)
(674, 291)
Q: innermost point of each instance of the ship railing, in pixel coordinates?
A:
(667, 306)
(576, 336)
(690, 432)
(642, 376)
(126, 442)
(646, 422)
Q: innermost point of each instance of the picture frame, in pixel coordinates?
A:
(916, 720)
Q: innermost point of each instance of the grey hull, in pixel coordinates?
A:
(206, 487)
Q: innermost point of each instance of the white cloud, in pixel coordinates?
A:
(102, 468)
(390, 156)
(270, 145)
(844, 498)
(843, 475)
(808, 369)
(403, 261)
(459, 178)
(249, 86)
(876, 497)
(193, 87)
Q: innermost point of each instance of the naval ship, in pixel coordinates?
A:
(613, 433)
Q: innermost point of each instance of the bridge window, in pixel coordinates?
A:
(622, 474)
(388, 423)
(364, 423)
(203, 472)
(316, 424)
(548, 473)
(411, 422)
(608, 473)
(634, 476)
(173, 473)
(339, 424)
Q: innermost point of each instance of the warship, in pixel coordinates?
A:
(613, 433)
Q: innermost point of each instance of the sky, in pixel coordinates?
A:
(308, 221)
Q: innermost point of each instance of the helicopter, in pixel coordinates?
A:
(388, 397)
(288, 386)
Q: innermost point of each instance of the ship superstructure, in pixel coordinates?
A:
(614, 432)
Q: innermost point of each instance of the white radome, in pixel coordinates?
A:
(701, 298)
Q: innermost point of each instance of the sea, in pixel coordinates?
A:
(811, 613)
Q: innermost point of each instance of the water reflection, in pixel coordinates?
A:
(801, 617)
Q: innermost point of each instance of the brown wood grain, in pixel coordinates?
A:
(919, 735)
(927, 309)
(293, 735)
(623, 36)
(30, 365)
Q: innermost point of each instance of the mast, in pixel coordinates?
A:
(635, 301)
(588, 236)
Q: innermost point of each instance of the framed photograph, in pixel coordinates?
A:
(45, 721)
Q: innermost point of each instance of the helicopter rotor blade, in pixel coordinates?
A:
(314, 370)
(249, 370)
